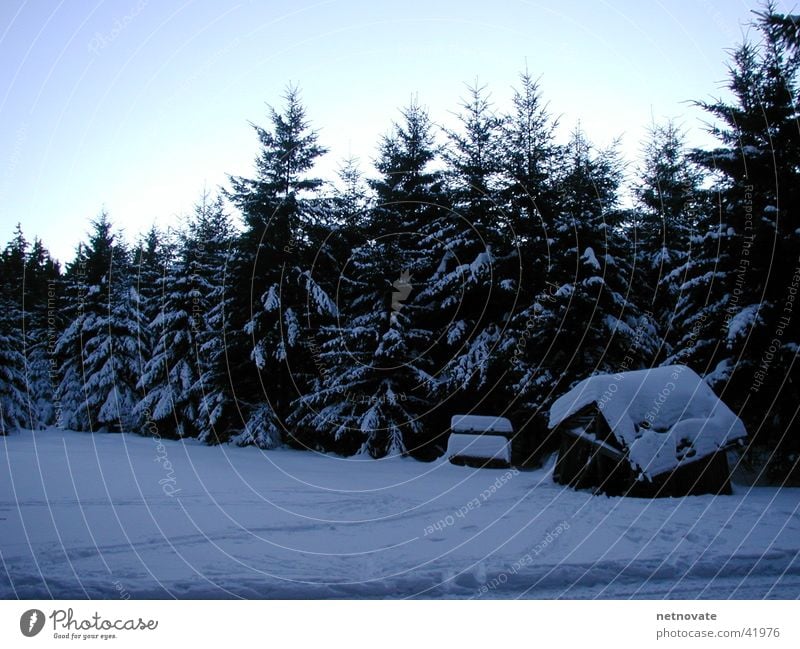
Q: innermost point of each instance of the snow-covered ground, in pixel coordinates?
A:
(110, 516)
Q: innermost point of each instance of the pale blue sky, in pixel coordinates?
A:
(135, 105)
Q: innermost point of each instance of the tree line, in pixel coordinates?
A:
(484, 269)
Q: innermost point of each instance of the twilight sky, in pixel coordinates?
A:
(135, 105)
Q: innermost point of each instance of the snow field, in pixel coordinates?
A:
(95, 516)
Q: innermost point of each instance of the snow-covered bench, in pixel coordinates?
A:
(480, 441)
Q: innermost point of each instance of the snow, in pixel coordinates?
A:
(742, 323)
(82, 514)
(480, 423)
(488, 447)
(564, 291)
(483, 260)
(591, 437)
(720, 374)
(590, 258)
(659, 415)
(271, 300)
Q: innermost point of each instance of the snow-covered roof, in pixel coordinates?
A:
(488, 447)
(480, 424)
(664, 417)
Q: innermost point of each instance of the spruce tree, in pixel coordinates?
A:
(99, 348)
(176, 382)
(320, 418)
(531, 160)
(275, 295)
(151, 258)
(784, 26)
(15, 406)
(733, 309)
(468, 290)
(43, 322)
(213, 233)
(670, 200)
(377, 365)
(171, 369)
(585, 320)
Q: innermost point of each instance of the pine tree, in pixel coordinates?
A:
(14, 260)
(178, 380)
(530, 200)
(530, 156)
(213, 233)
(99, 347)
(42, 324)
(670, 200)
(733, 308)
(585, 320)
(467, 289)
(15, 408)
(171, 370)
(344, 231)
(153, 255)
(784, 26)
(275, 295)
(68, 350)
(350, 200)
(376, 372)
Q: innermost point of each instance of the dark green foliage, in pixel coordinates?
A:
(29, 324)
(98, 351)
(738, 322)
(670, 202)
(275, 294)
(487, 272)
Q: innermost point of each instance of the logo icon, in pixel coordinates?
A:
(402, 289)
(31, 622)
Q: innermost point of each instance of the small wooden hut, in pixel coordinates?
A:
(480, 441)
(648, 433)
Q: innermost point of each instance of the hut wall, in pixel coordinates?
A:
(709, 475)
(582, 464)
